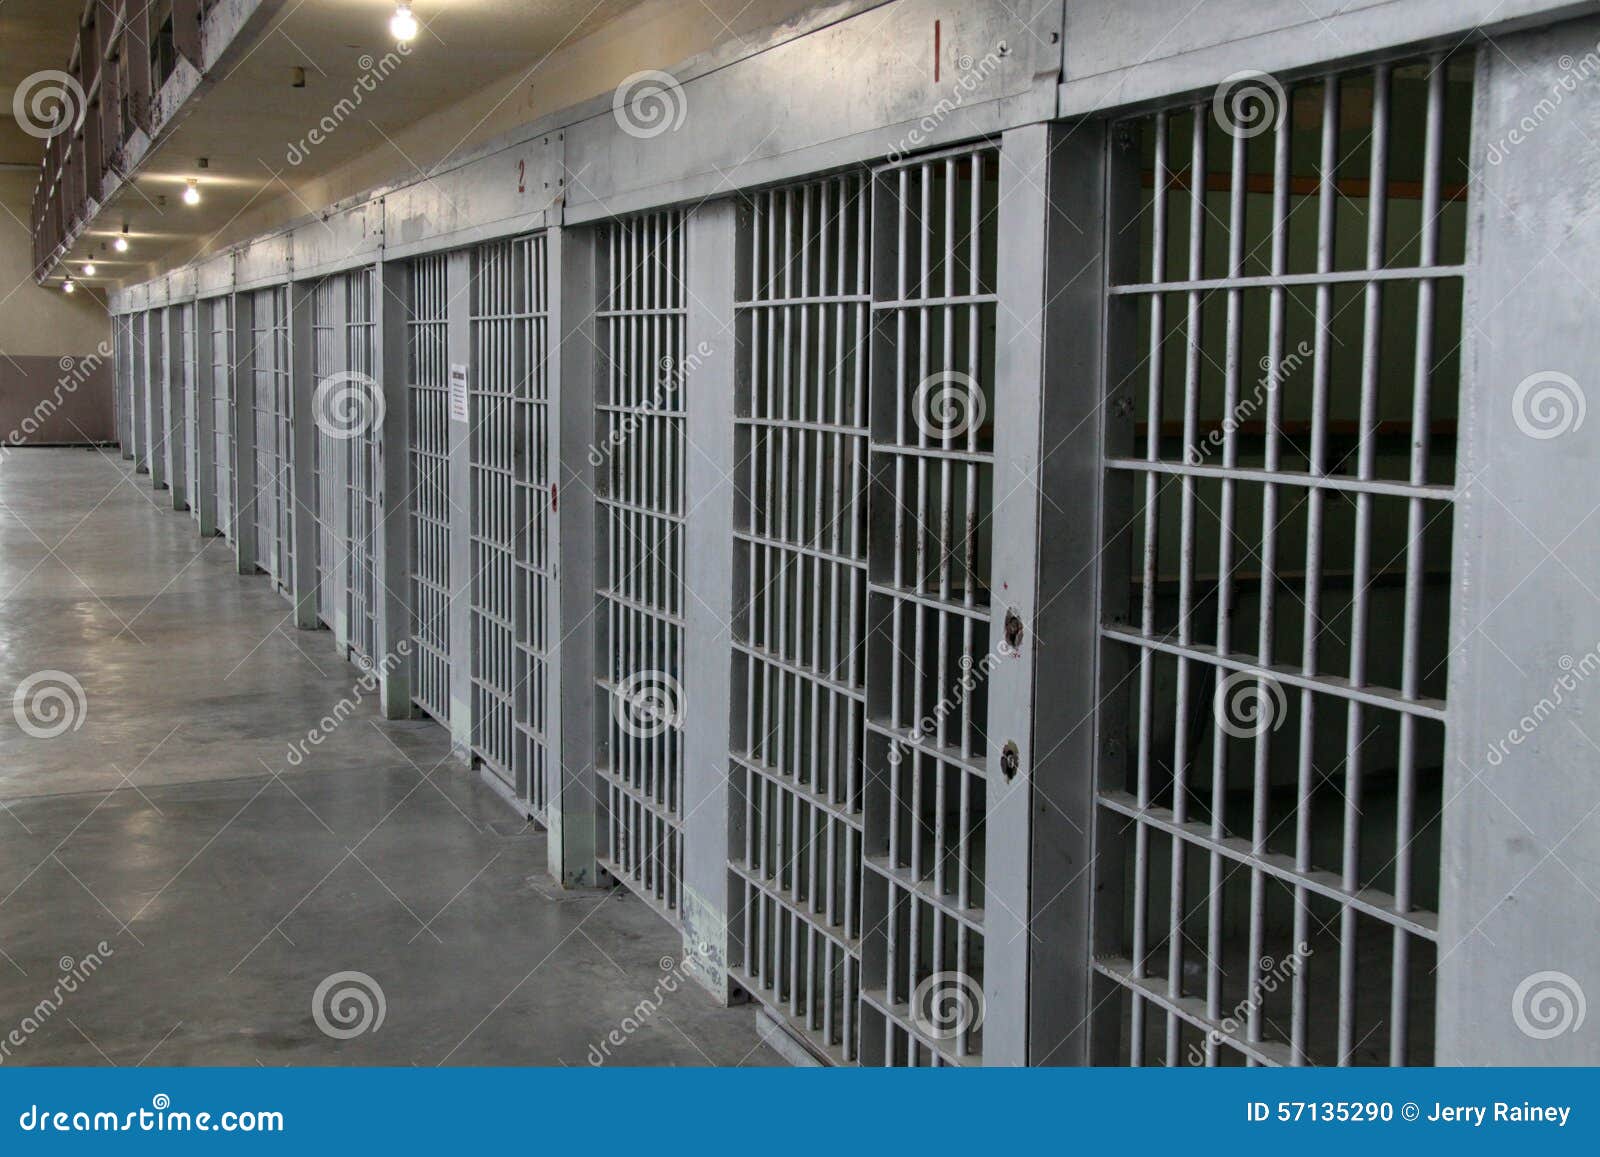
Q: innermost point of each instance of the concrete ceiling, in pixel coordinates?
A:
(253, 127)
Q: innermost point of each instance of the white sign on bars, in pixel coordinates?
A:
(458, 393)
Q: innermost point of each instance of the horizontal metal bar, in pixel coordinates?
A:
(784, 544)
(799, 671)
(1335, 685)
(937, 302)
(814, 920)
(800, 424)
(635, 508)
(1288, 280)
(936, 453)
(1373, 902)
(778, 1010)
(653, 612)
(806, 794)
(654, 807)
(901, 1015)
(777, 302)
(926, 746)
(1287, 478)
(978, 614)
(925, 892)
(1193, 1010)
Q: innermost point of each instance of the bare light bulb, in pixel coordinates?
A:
(120, 245)
(402, 25)
(191, 195)
(69, 286)
(88, 268)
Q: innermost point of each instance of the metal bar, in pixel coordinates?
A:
(1362, 277)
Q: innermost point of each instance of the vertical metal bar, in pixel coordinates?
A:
(1193, 339)
(1261, 774)
(1327, 198)
(1416, 516)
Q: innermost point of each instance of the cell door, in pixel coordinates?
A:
(865, 418)
(428, 395)
(800, 554)
(511, 499)
(122, 353)
(639, 421)
(347, 407)
(361, 438)
(153, 368)
(274, 451)
(137, 379)
(219, 313)
(1283, 351)
(327, 337)
(185, 352)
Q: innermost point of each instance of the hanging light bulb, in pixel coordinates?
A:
(191, 195)
(69, 286)
(88, 268)
(402, 25)
(120, 245)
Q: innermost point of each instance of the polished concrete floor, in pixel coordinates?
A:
(228, 886)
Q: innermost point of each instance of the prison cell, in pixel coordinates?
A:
(639, 430)
(122, 355)
(327, 329)
(1275, 617)
(159, 453)
(511, 488)
(347, 418)
(428, 395)
(138, 385)
(172, 404)
(799, 650)
(931, 417)
(184, 334)
(274, 447)
(219, 315)
(362, 471)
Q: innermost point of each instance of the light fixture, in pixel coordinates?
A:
(88, 268)
(68, 286)
(191, 195)
(121, 243)
(402, 25)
